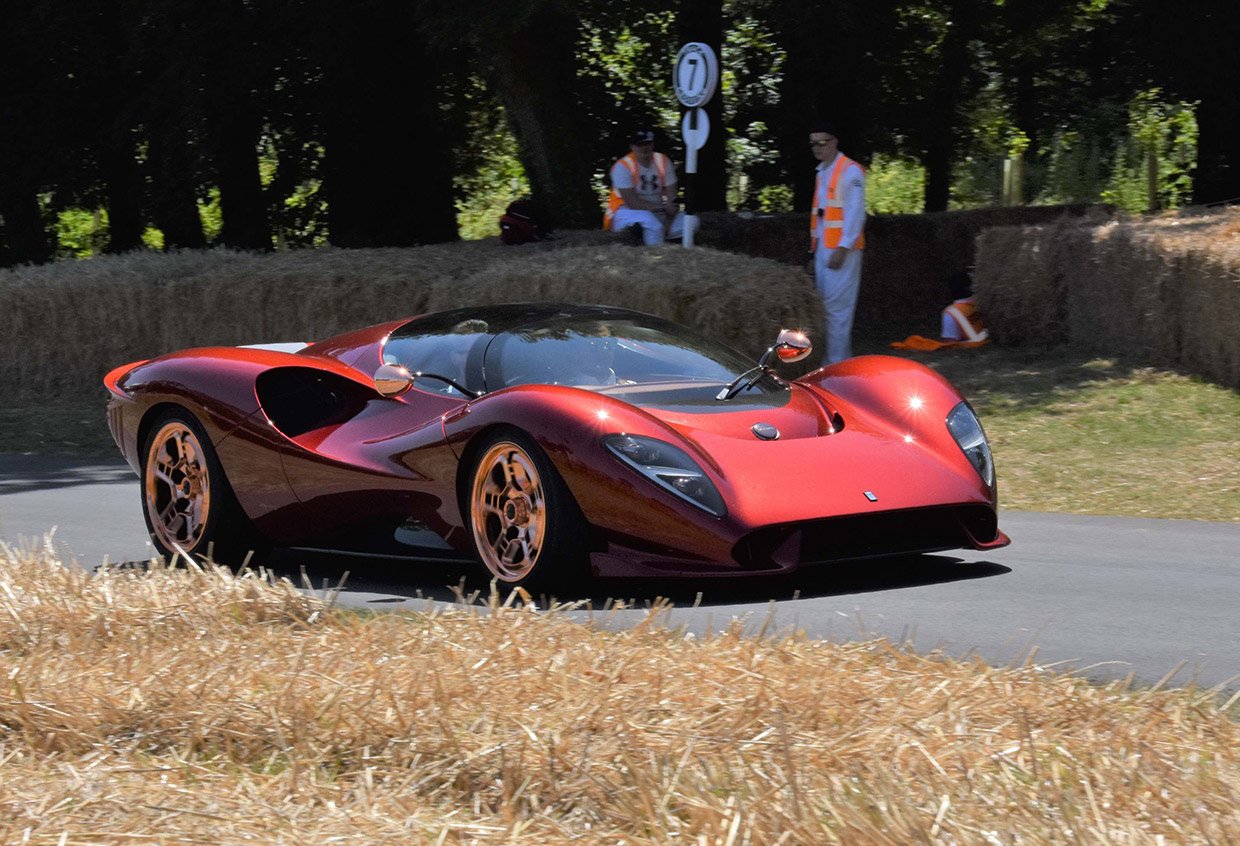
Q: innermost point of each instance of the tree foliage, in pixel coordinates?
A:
(284, 123)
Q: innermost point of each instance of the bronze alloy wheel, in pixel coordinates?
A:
(508, 510)
(177, 487)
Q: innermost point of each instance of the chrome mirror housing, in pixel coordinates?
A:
(792, 345)
(392, 380)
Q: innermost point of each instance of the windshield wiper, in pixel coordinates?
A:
(791, 345)
(734, 387)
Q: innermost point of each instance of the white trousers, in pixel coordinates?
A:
(652, 224)
(838, 289)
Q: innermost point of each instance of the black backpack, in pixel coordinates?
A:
(523, 222)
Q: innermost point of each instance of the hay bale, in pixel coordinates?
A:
(1162, 290)
(69, 323)
(1210, 317)
(1019, 285)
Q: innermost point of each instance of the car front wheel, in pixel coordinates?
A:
(526, 526)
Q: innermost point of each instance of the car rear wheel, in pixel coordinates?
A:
(526, 526)
(186, 499)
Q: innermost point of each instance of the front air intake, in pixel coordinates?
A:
(857, 536)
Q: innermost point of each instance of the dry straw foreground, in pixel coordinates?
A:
(197, 707)
(1165, 289)
(67, 324)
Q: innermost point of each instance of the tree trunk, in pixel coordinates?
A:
(702, 20)
(1211, 69)
(124, 189)
(534, 75)
(938, 164)
(234, 120)
(242, 204)
(388, 168)
(1218, 160)
(174, 201)
(23, 231)
(116, 84)
(944, 126)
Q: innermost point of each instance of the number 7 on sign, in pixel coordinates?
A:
(695, 75)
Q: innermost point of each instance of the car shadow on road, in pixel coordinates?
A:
(405, 584)
(822, 581)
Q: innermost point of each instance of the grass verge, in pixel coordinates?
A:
(194, 706)
(1089, 435)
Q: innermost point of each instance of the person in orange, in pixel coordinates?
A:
(836, 229)
(643, 192)
(961, 320)
(962, 324)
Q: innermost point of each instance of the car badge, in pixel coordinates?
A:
(765, 431)
(870, 496)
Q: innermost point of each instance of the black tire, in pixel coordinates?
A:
(526, 527)
(186, 499)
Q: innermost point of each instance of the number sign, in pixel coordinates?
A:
(696, 74)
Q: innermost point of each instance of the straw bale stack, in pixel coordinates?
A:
(1164, 290)
(68, 323)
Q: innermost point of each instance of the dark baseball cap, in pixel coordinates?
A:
(827, 127)
(642, 136)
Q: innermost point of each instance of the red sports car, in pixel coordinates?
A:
(551, 441)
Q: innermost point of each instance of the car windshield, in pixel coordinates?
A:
(642, 359)
(448, 344)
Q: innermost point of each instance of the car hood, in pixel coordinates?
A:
(830, 458)
(794, 414)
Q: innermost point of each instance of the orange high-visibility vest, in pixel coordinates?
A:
(965, 315)
(829, 207)
(615, 201)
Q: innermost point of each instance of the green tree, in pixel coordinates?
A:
(1153, 166)
(1190, 53)
(529, 55)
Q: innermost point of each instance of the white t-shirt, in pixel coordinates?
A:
(647, 186)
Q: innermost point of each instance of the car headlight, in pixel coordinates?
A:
(670, 468)
(967, 430)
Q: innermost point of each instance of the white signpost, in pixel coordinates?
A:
(695, 78)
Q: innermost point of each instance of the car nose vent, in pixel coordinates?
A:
(765, 431)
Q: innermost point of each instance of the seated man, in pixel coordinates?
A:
(643, 192)
(961, 319)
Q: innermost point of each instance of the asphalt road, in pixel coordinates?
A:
(1105, 596)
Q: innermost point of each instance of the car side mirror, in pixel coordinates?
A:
(791, 345)
(392, 380)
